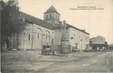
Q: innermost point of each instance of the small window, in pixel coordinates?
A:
(47, 17)
(50, 16)
(72, 38)
(29, 37)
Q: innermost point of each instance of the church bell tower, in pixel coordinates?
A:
(52, 16)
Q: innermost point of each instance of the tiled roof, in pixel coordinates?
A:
(68, 25)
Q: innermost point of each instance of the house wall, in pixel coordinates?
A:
(78, 39)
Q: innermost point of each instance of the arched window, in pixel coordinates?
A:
(50, 16)
(29, 37)
(24, 35)
(39, 35)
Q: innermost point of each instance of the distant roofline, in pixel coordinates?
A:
(78, 29)
(97, 37)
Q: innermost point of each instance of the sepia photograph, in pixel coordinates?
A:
(56, 36)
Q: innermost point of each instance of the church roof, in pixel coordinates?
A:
(34, 20)
(51, 9)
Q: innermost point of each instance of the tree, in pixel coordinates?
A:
(11, 21)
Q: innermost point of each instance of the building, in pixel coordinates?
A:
(98, 43)
(59, 35)
(78, 39)
(35, 35)
(111, 47)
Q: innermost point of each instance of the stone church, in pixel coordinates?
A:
(58, 35)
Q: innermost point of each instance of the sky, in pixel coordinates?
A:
(97, 21)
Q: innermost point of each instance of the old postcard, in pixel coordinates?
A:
(56, 36)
